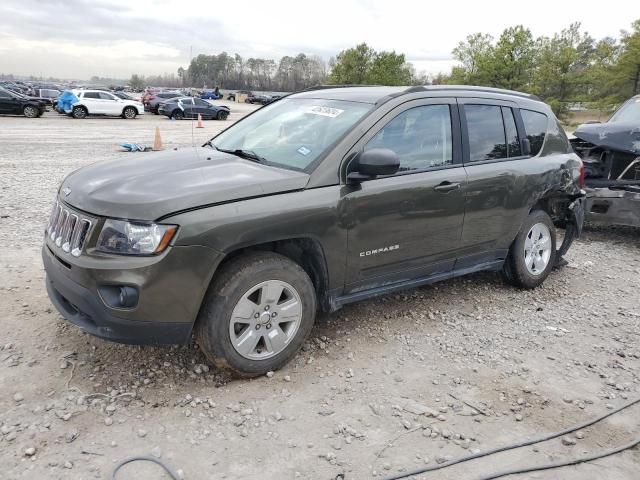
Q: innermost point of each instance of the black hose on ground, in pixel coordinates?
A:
(146, 458)
(575, 461)
(524, 443)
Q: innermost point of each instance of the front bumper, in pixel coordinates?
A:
(613, 206)
(170, 293)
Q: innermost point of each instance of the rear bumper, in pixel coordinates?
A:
(613, 206)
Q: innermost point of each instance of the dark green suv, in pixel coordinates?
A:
(325, 197)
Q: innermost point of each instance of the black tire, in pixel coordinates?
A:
(30, 111)
(177, 115)
(129, 113)
(228, 288)
(222, 115)
(515, 271)
(79, 112)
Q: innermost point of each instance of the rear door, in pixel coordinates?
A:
(408, 225)
(492, 153)
(92, 101)
(187, 106)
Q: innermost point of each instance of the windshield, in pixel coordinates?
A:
(628, 113)
(292, 132)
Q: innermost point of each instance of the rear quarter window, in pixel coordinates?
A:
(535, 127)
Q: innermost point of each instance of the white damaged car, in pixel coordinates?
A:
(99, 102)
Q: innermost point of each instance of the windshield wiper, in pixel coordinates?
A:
(246, 154)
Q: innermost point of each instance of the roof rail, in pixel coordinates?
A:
(325, 87)
(501, 91)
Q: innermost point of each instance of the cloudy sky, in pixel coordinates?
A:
(115, 38)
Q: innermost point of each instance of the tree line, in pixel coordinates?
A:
(570, 66)
(290, 73)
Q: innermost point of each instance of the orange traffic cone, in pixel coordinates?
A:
(157, 142)
(199, 122)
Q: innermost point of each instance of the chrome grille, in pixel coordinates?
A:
(68, 230)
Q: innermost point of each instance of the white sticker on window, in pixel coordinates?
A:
(304, 151)
(325, 111)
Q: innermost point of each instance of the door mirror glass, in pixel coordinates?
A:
(374, 162)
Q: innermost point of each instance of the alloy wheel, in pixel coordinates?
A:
(537, 249)
(265, 320)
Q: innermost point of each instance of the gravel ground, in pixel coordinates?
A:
(384, 385)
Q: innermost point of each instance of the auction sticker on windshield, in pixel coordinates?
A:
(325, 111)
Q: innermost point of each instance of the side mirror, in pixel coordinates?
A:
(372, 163)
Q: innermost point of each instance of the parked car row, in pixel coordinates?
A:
(99, 102)
(189, 107)
(14, 103)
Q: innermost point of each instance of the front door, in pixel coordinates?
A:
(110, 104)
(408, 225)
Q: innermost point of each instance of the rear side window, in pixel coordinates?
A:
(535, 127)
(486, 132)
(91, 95)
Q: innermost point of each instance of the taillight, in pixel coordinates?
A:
(581, 174)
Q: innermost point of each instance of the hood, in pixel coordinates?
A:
(623, 137)
(147, 186)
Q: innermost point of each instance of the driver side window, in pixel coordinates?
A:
(420, 136)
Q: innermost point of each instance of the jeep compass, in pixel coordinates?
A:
(319, 199)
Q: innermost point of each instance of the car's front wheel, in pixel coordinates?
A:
(533, 252)
(222, 115)
(129, 113)
(31, 112)
(177, 115)
(79, 112)
(258, 312)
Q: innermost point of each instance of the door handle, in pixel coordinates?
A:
(446, 187)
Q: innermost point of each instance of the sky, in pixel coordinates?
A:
(116, 38)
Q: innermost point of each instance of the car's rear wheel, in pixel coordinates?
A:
(257, 313)
(129, 113)
(222, 115)
(79, 112)
(30, 111)
(533, 252)
(177, 115)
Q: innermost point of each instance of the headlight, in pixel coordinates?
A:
(130, 238)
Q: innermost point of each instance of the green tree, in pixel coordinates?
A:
(352, 65)
(627, 71)
(389, 68)
(562, 67)
(136, 82)
(474, 54)
(507, 64)
(363, 65)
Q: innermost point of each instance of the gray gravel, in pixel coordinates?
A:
(385, 385)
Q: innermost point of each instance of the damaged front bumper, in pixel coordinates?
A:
(620, 206)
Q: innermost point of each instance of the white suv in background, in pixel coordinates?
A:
(99, 102)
